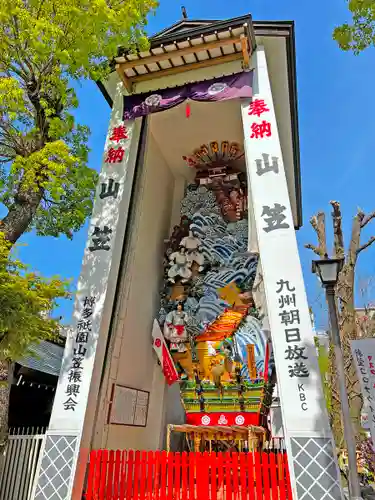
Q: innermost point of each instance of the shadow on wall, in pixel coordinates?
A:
(175, 414)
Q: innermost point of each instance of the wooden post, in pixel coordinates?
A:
(251, 361)
(169, 430)
(266, 361)
(250, 444)
(245, 51)
(126, 82)
(197, 441)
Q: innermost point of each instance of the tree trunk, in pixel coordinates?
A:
(347, 321)
(5, 382)
(334, 410)
(20, 215)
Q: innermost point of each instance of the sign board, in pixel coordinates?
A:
(128, 406)
(363, 351)
(365, 422)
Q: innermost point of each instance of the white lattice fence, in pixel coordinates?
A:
(19, 463)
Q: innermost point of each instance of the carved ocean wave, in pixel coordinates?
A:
(202, 219)
(205, 219)
(191, 305)
(245, 260)
(204, 224)
(210, 307)
(214, 280)
(194, 200)
(240, 230)
(207, 232)
(220, 250)
(217, 243)
(250, 332)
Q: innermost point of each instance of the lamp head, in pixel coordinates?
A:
(327, 270)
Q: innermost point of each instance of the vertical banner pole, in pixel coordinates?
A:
(65, 456)
(311, 449)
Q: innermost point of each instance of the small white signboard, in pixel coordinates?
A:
(364, 420)
(363, 351)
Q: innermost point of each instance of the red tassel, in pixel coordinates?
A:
(187, 110)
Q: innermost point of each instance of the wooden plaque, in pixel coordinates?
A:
(128, 406)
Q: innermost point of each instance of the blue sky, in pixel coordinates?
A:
(336, 117)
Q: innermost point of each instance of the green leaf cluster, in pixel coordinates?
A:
(324, 365)
(26, 299)
(44, 47)
(360, 33)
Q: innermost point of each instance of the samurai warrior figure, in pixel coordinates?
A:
(192, 245)
(180, 265)
(175, 329)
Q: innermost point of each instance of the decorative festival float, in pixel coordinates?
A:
(217, 350)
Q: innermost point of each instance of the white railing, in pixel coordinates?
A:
(20, 462)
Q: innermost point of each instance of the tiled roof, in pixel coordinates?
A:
(46, 357)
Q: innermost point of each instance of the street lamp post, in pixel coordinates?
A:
(328, 272)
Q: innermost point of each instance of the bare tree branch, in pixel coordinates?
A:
(313, 248)
(319, 226)
(366, 245)
(355, 237)
(322, 231)
(367, 219)
(339, 252)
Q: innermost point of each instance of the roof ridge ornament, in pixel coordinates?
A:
(184, 13)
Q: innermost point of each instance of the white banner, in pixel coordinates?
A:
(307, 432)
(166, 361)
(65, 454)
(79, 356)
(298, 374)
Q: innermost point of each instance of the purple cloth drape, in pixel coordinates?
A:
(217, 89)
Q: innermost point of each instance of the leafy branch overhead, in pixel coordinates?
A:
(360, 33)
(45, 46)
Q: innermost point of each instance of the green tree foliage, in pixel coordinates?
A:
(45, 181)
(25, 301)
(323, 362)
(360, 33)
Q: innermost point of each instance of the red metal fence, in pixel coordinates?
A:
(154, 475)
